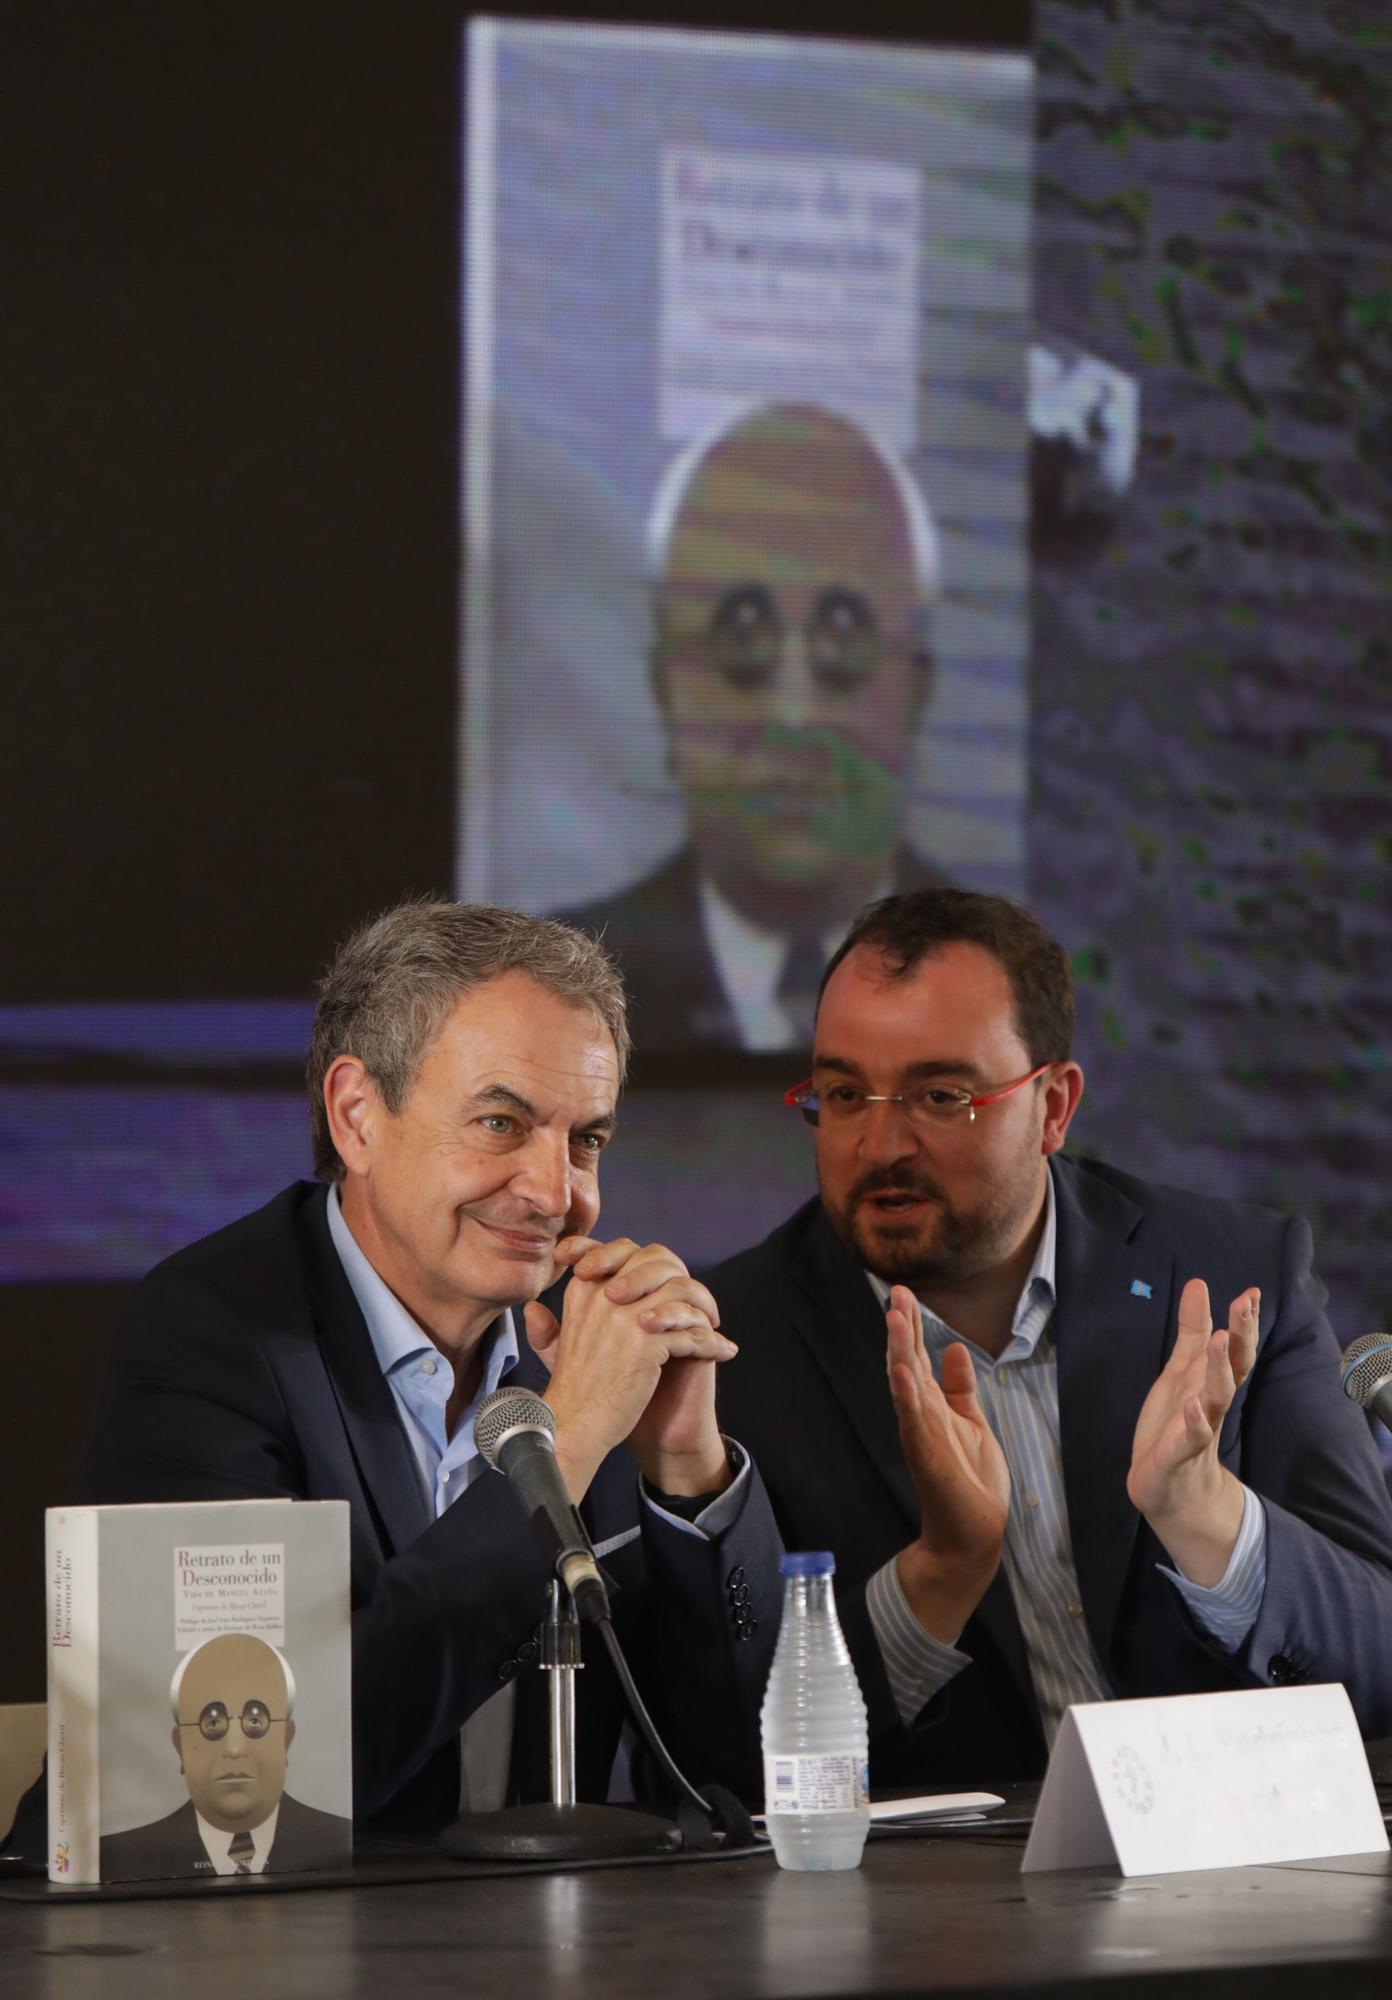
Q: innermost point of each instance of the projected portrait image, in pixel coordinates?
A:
(746, 499)
(793, 567)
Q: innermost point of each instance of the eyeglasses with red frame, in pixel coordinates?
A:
(925, 1104)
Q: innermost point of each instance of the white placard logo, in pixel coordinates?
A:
(1207, 1781)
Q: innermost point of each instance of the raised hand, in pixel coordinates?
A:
(958, 1470)
(1193, 1504)
(632, 1358)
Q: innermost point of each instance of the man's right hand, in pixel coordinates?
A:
(958, 1470)
(607, 1357)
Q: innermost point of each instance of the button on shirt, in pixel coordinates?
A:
(1019, 1398)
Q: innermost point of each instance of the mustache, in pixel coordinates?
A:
(890, 1180)
(525, 1225)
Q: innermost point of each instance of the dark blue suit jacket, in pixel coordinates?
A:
(242, 1369)
(808, 1395)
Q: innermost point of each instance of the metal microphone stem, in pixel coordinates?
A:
(562, 1830)
(560, 1657)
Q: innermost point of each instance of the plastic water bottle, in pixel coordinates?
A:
(816, 1803)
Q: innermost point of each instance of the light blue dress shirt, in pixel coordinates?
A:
(420, 1377)
(1019, 1398)
(421, 1380)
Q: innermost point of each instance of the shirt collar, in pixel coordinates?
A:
(216, 1842)
(1039, 1286)
(749, 960)
(396, 1336)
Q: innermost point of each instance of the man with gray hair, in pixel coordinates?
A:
(464, 1075)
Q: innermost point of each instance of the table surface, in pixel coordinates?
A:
(921, 1916)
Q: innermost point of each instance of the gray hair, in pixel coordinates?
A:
(392, 984)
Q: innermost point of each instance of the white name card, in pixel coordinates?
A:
(1206, 1781)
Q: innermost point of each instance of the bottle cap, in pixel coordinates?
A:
(815, 1562)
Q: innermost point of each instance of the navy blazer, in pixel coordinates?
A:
(242, 1368)
(808, 1394)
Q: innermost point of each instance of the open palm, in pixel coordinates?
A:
(1175, 1449)
(958, 1468)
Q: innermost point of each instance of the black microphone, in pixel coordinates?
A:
(515, 1431)
(1367, 1374)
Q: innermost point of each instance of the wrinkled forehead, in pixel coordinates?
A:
(793, 498)
(233, 1670)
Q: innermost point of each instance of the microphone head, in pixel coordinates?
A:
(1367, 1365)
(504, 1413)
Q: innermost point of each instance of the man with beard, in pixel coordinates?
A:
(1070, 1487)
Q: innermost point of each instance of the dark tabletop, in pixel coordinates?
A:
(932, 1916)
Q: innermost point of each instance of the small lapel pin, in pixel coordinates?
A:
(1139, 1289)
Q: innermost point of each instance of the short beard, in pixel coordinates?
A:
(963, 1244)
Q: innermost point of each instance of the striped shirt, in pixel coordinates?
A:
(1019, 1398)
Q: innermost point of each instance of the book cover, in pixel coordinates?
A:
(199, 1718)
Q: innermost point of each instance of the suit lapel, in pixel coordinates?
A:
(1110, 1326)
(711, 1019)
(661, 941)
(840, 1323)
(365, 1401)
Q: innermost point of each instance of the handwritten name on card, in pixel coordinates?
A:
(1207, 1781)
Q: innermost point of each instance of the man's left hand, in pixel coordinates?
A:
(1190, 1500)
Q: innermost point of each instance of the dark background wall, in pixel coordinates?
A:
(227, 703)
(227, 709)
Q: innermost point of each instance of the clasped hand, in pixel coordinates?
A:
(632, 1360)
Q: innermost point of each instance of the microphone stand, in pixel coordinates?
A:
(562, 1830)
(560, 1658)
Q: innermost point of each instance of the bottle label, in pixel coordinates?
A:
(815, 1785)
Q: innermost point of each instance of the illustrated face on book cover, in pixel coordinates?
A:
(234, 1731)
